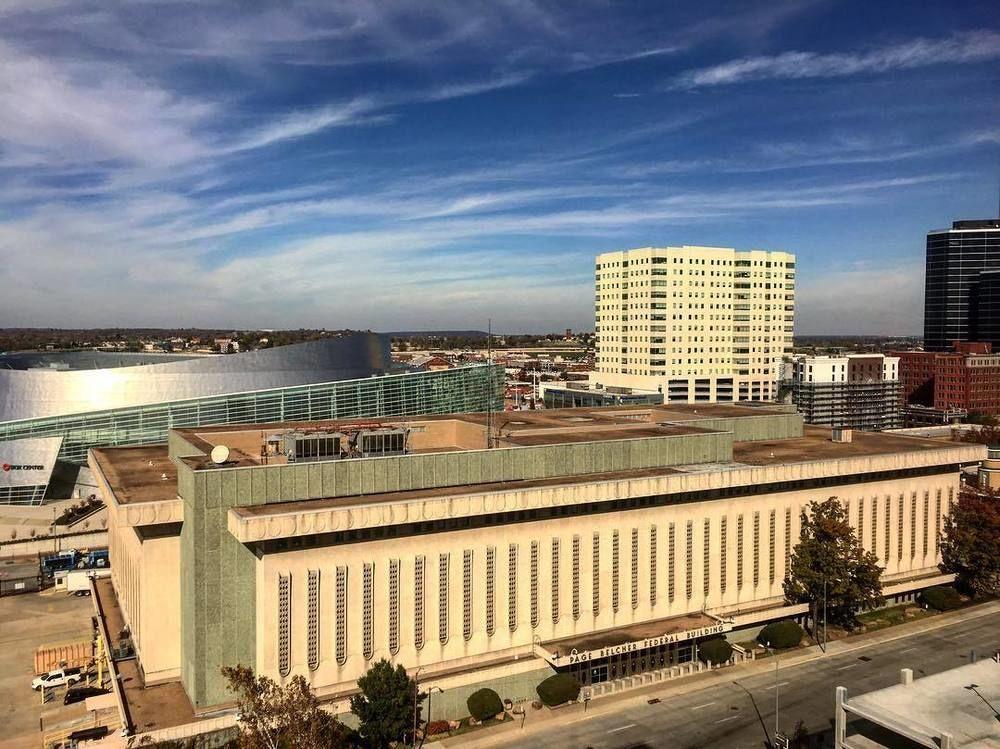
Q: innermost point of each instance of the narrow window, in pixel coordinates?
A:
(874, 530)
(937, 524)
(899, 530)
(739, 552)
(418, 602)
(313, 616)
(467, 594)
(614, 571)
(491, 553)
(340, 594)
(670, 562)
(927, 521)
(772, 532)
(689, 558)
(723, 553)
(368, 610)
(706, 557)
(756, 549)
(788, 540)
(652, 566)
(913, 526)
(512, 587)
(393, 606)
(555, 580)
(596, 573)
(284, 624)
(635, 568)
(861, 521)
(443, 560)
(888, 525)
(576, 578)
(533, 583)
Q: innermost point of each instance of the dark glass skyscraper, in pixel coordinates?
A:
(957, 291)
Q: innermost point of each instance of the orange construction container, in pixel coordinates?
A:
(68, 655)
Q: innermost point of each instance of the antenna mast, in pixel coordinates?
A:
(489, 383)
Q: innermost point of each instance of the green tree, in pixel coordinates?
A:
(969, 542)
(829, 551)
(385, 705)
(276, 717)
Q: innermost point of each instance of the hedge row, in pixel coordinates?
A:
(784, 634)
(558, 689)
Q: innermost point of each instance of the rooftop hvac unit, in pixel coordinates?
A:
(839, 434)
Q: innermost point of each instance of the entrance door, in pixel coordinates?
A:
(599, 674)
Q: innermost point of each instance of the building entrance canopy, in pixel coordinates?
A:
(638, 637)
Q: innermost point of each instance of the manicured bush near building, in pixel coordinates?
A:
(715, 651)
(784, 634)
(484, 704)
(558, 689)
(941, 598)
(436, 727)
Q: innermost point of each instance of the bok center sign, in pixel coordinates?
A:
(650, 642)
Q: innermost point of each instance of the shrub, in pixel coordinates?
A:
(483, 704)
(558, 689)
(715, 651)
(941, 598)
(436, 727)
(784, 634)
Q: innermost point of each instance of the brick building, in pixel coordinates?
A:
(936, 385)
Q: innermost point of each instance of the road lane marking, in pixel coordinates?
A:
(699, 707)
(622, 728)
(779, 684)
(731, 717)
(844, 668)
(908, 649)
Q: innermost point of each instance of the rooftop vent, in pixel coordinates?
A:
(839, 434)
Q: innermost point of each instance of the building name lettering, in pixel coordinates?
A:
(649, 642)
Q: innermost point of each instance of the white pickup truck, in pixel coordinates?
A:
(59, 677)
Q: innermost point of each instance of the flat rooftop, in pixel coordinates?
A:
(815, 444)
(458, 432)
(942, 703)
(138, 474)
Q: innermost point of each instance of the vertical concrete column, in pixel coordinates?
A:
(906, 676)
(840, 719)
(947, 742)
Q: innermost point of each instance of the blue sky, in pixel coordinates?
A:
(410, 165)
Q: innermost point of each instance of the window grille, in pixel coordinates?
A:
(927, 521)
(706, 557)
(635, 568)
(312, 607)
(512, 587)
(576, 578)
(614, 571)
(533, 583)
(340, 602)
(467, 594)
(652, 566)
(723, 553)
(419, 564)
(670, 562)
(491, 553)
(756, 549)
(443, 560)
(888, 525)
(555, 580)
(393, 606)
(937, 524)
(689, 558)
(596, 573)
(772, 533)
(739, 552)
(284, 624)
(368, 610)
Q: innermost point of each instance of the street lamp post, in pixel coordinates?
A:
(774, 654)
(824, 613)
(416, 705)
(430, 691)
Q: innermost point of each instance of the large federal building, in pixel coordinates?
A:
(488, 549)
(94, 399)
(698, 324)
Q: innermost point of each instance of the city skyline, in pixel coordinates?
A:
(399, 167)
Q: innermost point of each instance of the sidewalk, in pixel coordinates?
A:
(544, 719)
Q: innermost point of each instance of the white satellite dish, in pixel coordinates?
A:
(220, 454)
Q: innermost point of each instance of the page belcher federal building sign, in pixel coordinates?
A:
(628, 647)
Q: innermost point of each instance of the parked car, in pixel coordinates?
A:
(79, 694)
(59, 677)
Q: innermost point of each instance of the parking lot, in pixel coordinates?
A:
(26, 622)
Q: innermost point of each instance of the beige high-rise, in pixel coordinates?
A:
(699, 324)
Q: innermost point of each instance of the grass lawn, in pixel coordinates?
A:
(876, 620)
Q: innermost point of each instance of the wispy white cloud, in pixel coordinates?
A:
(969, 47)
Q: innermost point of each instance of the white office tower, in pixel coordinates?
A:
(699, 324)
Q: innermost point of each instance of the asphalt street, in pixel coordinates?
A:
(741, 713)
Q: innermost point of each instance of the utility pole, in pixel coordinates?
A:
(824, 613)
(416, 704)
